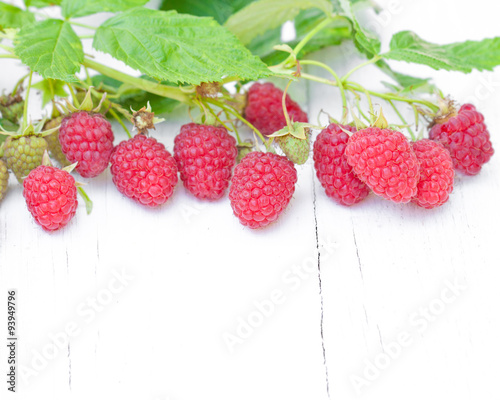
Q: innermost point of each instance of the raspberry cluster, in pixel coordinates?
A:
(349, 163)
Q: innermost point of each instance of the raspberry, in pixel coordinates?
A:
(23, 154)
(87, 138)
(4, 179)
(53, 141)
(261, 188)
(466, 138)
(384, 160)
(144, 170)
(333, 171)
(296, 150)
(264, 108)
(50, 195)
(436, 174)
(11, 107)
(205, 156)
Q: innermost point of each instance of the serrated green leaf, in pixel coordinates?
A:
(50, 88)
(220, 10)
(80, 8)
(406, 83)
(14, 17)
(263, 15)
(176, 47)
(463, 56)
(332, 35)
(365, 41)
(51, 48)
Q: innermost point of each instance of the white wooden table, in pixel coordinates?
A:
(378, 301)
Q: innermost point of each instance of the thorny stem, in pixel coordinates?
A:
(73, 95)
(19, 82)
(88, 203)
(371, 61)
(283, 104)
(237, 115)
(217, 117)
(115, 115)
(83, 25)
(390, 96)
(306, 39)
(26, 100)
(410, 131)
(9, 56)
(360, 88)
(144, 84)
(334, 74)
(8, 48)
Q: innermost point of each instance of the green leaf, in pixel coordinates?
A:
(365, 41)
(263, 15)
(129, 96)
(177, 47)
(41, 3)
(406, 83)
(220, 10)
(50, 88)
(51, 48)
(464, 56)
(14, 17)
(332, 35)
(80, 8)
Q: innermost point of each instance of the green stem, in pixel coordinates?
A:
(86, 36)
(334, 74)
(371, 61)
(19, 82)
(391, 96)
(358, 87)
(115, 115)
(318, 79)
(76, 103)
(308, 37)
(237, 115)
(83, 25)
(88, 203)
(26, 101)
(8, 48)
(9, 56)
(148, 86)
(283, 104)
(402, 119)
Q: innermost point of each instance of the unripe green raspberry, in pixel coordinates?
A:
(53, 141)
(23, 154)
(4, 178)
(11, 107)
(296, 150)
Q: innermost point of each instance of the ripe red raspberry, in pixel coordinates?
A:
(436, 173)
(264, 108)
(332, 169)
(384, 160)
(467, 139)
(205, 156)
(50, 195)
(261, 188)
(87, 138)
(144, 170)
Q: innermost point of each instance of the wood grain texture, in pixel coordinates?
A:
(151, 296)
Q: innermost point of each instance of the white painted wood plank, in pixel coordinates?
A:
(393, 260)
(196, 271)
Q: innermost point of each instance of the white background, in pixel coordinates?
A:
(369, 309)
